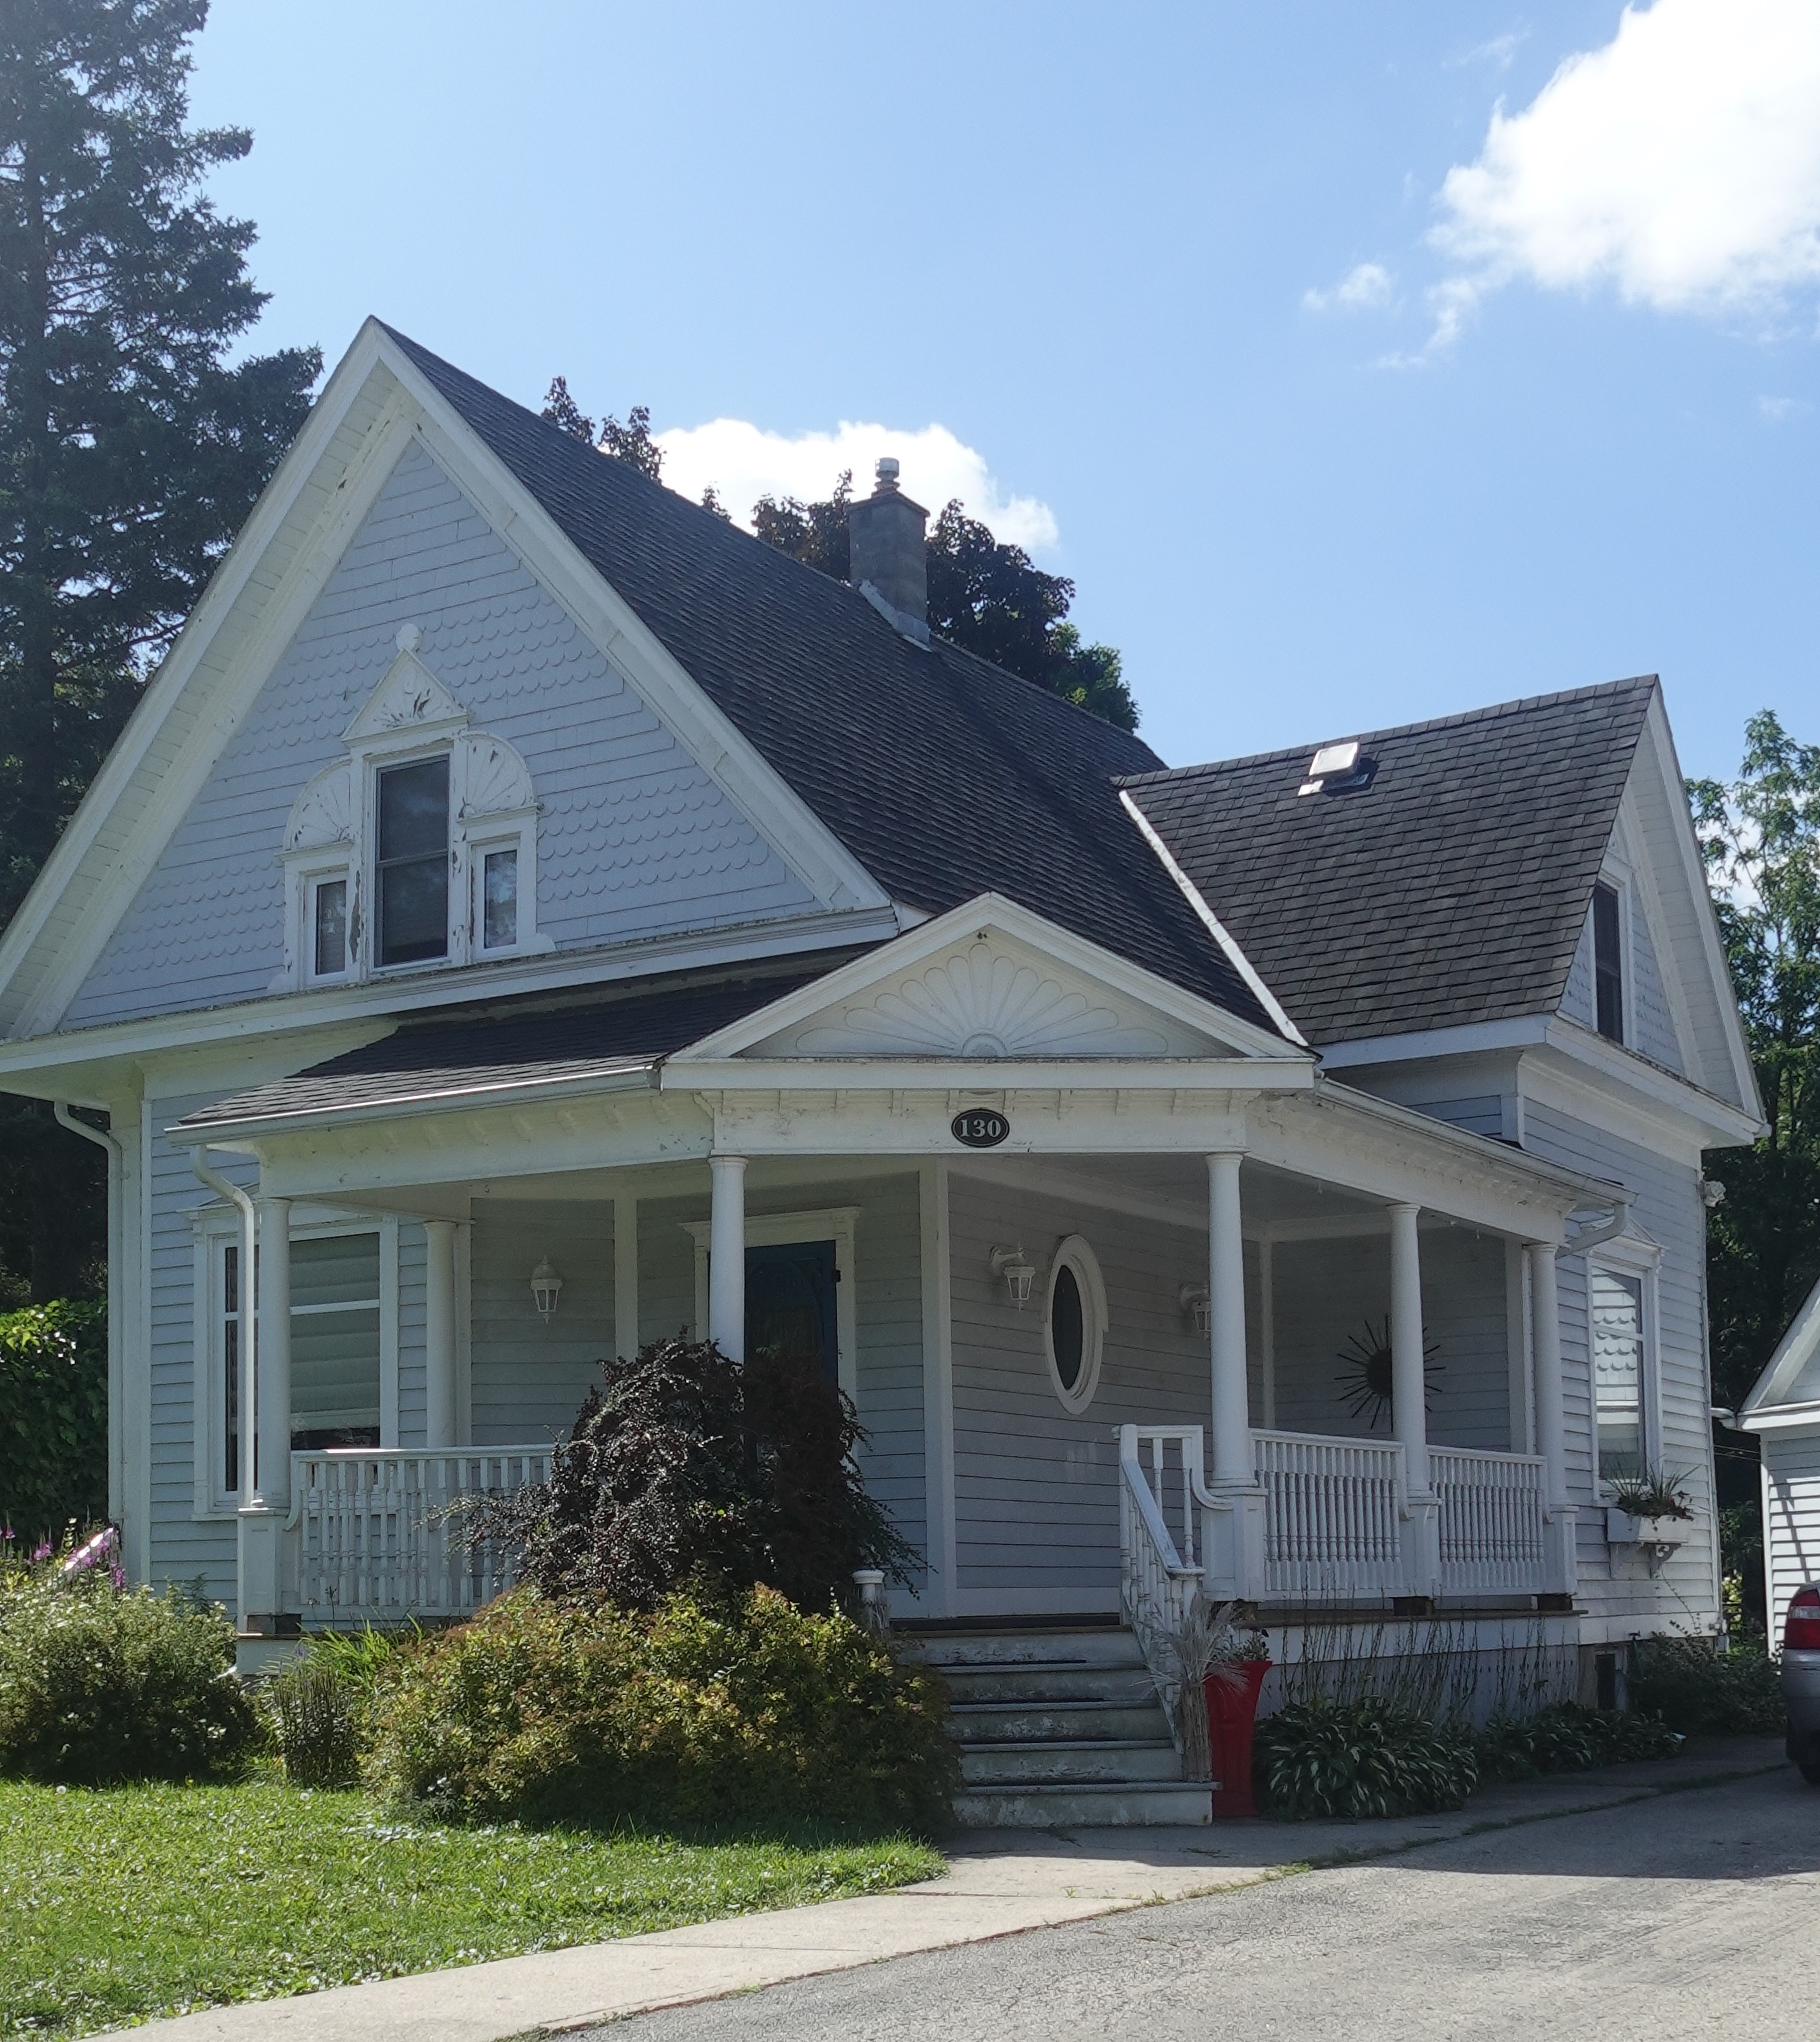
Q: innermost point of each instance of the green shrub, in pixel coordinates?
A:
(1699, 1690)
(53, 1418)
(1334, 1759)
(319, 1708)
(748, 1712)
(1565, 1738)
(99, 1684)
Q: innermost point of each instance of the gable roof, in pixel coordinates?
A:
(1453, 890)
(1791, 1380)
(945, 776)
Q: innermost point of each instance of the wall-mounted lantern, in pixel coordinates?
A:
(1018, 1273)
(546, 1287)
(1198, 1304)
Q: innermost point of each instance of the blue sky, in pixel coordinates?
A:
(1327, 440)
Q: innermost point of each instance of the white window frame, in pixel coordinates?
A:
(1076, 1254)
(1639, 1261)
(217, 1229)
(835, 1223)
(333, 832)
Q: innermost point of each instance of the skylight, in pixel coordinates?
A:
(1341, 768)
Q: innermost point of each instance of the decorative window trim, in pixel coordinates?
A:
(1076, 1254)
(1639, 1261)
(835, 1223)
(332, 832)
(217, 1227)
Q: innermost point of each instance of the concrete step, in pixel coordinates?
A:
(944, 1650)
(1102, 1760)
(1111, 1805)
(1048, 1680)
(1050, 1723)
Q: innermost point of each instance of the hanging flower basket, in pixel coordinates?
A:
(1232, 1691)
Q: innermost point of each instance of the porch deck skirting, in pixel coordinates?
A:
(377, 1535)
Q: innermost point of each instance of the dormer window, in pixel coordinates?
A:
(1608, 962)
(411, 873)
(328, 927)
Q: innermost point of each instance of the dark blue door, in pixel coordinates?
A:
(790, 1301)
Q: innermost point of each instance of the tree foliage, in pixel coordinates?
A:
(1761, 838)
(130, 451)
(988, 597)
(53, 1419)
(683, 1467)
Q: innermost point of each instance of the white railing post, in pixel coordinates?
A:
(1492, 1535)
(1334, 1516)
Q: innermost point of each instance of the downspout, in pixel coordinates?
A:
(243, 1202)
(1607, 1229)
(103, 1138)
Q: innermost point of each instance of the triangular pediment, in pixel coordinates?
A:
(990, 983)
(410, 697)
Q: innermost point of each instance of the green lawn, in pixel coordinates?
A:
(134, 1902)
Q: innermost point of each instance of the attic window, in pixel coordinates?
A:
(1339, 769)
(412, 868)
(1608, 962)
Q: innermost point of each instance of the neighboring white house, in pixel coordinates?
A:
(1783, 1410)
(526, 915)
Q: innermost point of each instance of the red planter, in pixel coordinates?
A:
(1231, 1705)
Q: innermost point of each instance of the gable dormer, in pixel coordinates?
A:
(1616, 986)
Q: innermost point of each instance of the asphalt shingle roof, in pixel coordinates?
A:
(469, 1051)
(1454, 890)
(944, 775)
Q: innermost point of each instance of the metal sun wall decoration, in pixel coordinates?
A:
(1365, 1382)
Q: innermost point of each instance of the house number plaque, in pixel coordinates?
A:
(980, 1131)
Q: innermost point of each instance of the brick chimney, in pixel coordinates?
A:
(890, 557)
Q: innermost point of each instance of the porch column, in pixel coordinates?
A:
(1408, 1378)
(271, 1377)
(727, 1257)
(1234, 1461)
(439, 1313)
(1563, 1559)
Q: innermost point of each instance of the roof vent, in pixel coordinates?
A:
(1339, 769)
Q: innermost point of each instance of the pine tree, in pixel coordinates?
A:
(131, 452)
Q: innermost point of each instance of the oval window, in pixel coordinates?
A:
(1075, 1324)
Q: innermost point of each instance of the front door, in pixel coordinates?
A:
(790, 1300)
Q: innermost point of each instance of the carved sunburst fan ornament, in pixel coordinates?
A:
(1365, 1380)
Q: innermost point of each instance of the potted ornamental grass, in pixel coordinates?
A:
(1210, 1670)
(1650, 1509)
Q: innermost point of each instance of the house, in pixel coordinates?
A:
(1784, 1411)
(526, 915)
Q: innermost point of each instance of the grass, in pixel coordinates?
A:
(119, 1904)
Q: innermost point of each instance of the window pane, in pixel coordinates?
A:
(337, 1269)
(413, 809)
(335, 1377)
(413, 911)
(1066, 1327)
(231, 1458)
(1608, 963)
(331, 927)
(501, 890)
(1618, 1372)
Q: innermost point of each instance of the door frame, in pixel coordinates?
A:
(835, 1223)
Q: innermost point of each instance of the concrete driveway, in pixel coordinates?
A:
(1694, 1916)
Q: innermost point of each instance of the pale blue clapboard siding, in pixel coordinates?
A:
(1791, 1515)
(183, 1547)
(634, 840)
(410, 1292)
(1481, 1114)
(1652, 1027)
(1326, 1292)
(1036, 1485)
(1669, 1211)
(528, 1379)
(1580, 1001)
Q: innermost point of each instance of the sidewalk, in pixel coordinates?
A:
(999, 1882)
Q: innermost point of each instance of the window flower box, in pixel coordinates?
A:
(1624, 1529)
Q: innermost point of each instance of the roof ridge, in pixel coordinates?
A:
(1522, 705)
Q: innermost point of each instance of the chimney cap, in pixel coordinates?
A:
(887, 473)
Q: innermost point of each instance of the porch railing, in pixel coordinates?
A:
(1491, 1519)
(1162, 1540)
(378, 1533)
(1334, 1512)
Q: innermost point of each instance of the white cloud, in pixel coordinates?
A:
(1778, 409)
(1680, 164)
(744, 462)
(1366, 287)
(1500, 51)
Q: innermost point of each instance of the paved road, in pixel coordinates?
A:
(1696, 1916)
